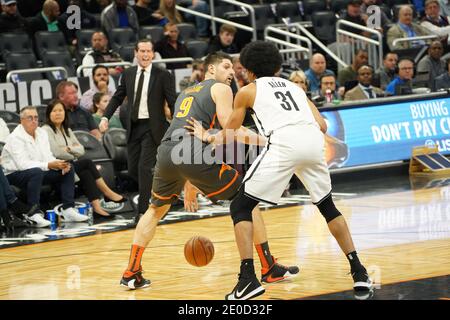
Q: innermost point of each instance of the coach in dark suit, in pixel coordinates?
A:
(147, 87)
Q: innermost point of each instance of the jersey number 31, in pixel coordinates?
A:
(286, 100)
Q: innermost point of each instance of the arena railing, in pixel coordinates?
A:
(295, 48)
(35, 70)
(212, 16)
(412, 39)
(107, 64)
(355, 41)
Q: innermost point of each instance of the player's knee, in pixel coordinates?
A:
(241, 207)
(328, 209)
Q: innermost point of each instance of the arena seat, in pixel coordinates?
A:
(127, 53)
(49, 41)
(41, 110)
(338, 6)
(15, 42)
(9, 116)
(310, 6)
(154, 33)
(16, 61)
(324, 24)
(11, 126)
(288, 10)
(264, 16)
(84, 41)
(120, 37)
(58, 59)
(187, 31)
(95, 151)
(197, 48)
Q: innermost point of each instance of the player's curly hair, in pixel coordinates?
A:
(261, 58)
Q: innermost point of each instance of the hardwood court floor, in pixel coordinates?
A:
(399, 236)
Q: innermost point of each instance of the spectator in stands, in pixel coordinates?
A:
(353, 14)
(171, 47)
(100, 101)
(442, 82)
(79, 119)
(299, 78)
(384, 20)
(95, 6)
(29, 163)
(10, 19)
(101, 54)
(144, 13)
(435, 23)
(404, 77)
(100, 77)
(405, 28)
(4, 130)
(432, 63)
(328, 92)
(65, 145)
(350, 73)
(364, 90)
(386, 73)
(317, 68)
(202, 24)
(119, 15)
(167, 12)
(419, 5)
(240, 73)
(197, 76)
(29, 8)
(224, 41)
(49, 20)
(445, 8)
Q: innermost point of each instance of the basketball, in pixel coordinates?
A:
(199, 251)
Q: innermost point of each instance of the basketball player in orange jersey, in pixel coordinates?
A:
(211, 102)
(295, 145)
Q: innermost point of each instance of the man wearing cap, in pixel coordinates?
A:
(10, 19)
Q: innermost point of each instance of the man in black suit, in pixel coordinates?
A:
(148, 88)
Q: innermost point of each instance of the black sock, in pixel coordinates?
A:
(247, 268)
(353, 259)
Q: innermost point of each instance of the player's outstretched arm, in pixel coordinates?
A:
(320, 120)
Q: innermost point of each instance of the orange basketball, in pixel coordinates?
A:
(199, 251)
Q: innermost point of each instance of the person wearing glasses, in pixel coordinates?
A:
(28, 163)
(404, 77)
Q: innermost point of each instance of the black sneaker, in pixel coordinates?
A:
(246, 288)
(361, 280)
(136, 281)
(278, 272)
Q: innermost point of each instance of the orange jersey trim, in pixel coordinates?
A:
(224, 188)
(164, 198)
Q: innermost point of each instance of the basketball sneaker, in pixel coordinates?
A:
(135, 281)
(277, 272)
(245, 289)
(361, 280)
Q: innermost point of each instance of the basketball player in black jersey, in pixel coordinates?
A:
(210, 102)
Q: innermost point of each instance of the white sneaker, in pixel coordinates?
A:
(71, 214)
(38, 221)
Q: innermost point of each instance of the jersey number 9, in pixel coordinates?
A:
(185, 106)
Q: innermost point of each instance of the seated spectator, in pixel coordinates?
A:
(100, 77)
(353, 14)
(79, 119)
(10, 19)
(145, 13)
(432, 63)
(386, 73)
(445, 8)
(328, 92)
(171, 47)
(119, 15)
(4, 130)
(224, 41)
(9, 202)
(100, 101)
(49, 20)
(364, 90)
(202, 24)
(317, 68)
(404, 77)
(406, 28)
(240, 73)
(442, 82)
(65, 145)
(29, 163)
(436, 24)
(419, 6)
(197, 76)
(167, 12)
(348, 74)
(299, 78)
(100, 53)
(384, 20)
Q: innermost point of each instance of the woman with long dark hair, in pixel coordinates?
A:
(65, 145)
